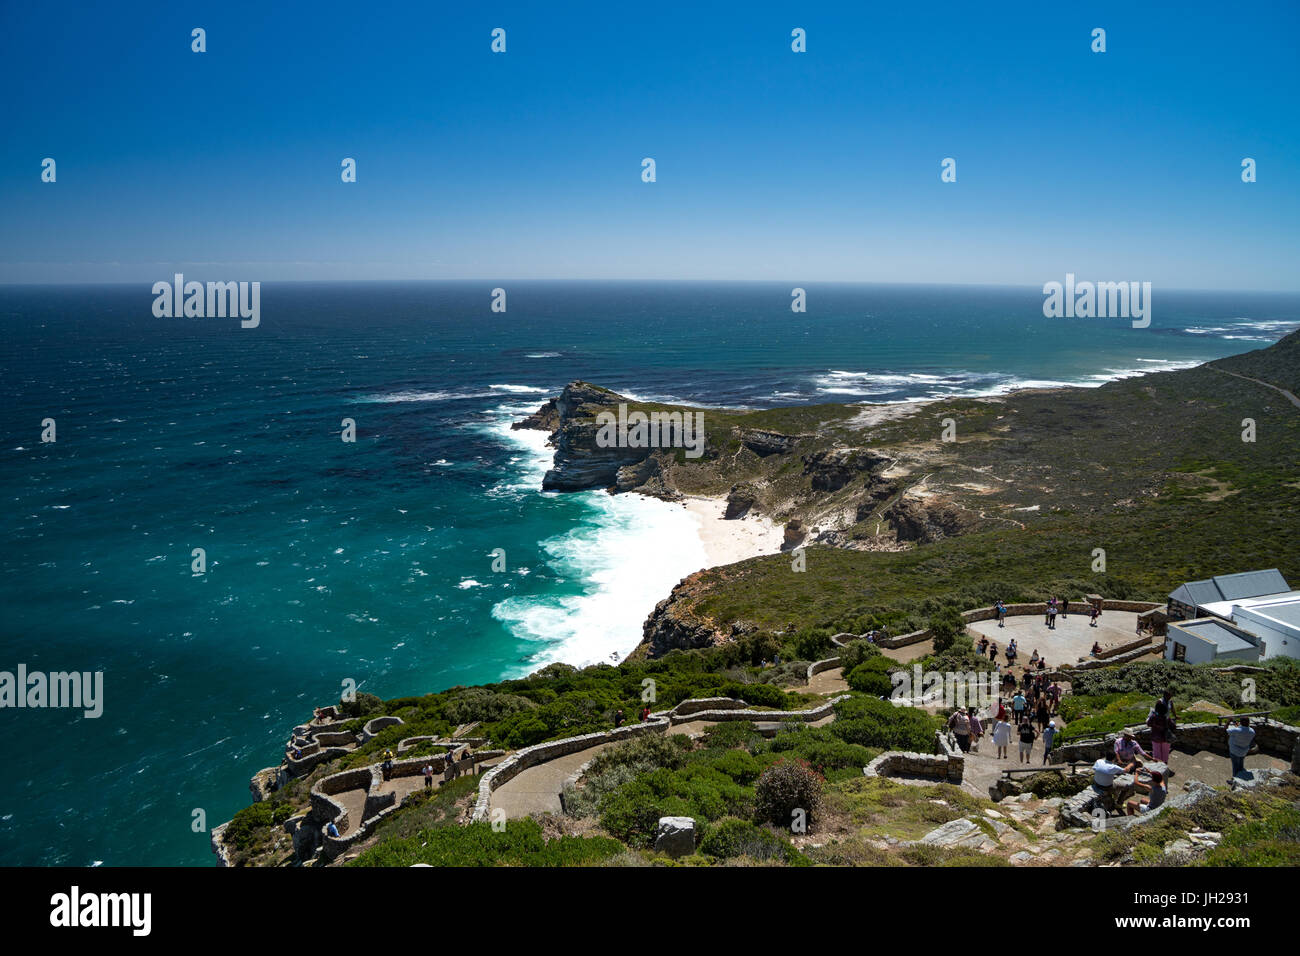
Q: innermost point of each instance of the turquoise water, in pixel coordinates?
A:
(372, 561)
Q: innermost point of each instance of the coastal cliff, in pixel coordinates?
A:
(966, 495)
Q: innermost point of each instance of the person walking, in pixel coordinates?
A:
(1049, 735)
(1018, 704)
(1093, 614)
(993, 652)
(1043, 714)
(1027, 737)
(976, 729)
(959, 724)
(428, 776)
(1002, 737)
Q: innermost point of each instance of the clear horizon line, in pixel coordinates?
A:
(627, 280)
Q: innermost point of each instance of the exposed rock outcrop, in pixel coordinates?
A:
(832, 470)
(763, 442)
(922, 520)
(741, 498)
(671, 626)
(795, 534)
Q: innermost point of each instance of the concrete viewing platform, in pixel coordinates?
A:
(1070, 641)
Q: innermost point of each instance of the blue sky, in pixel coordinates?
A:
(809, 167)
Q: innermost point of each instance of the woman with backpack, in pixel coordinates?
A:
(1161, 724)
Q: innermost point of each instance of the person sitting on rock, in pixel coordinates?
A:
(1103, 780)
(1157, 790)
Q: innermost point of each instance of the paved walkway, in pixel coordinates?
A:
(537, 789)
(829, 682)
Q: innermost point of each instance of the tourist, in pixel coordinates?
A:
(1240, 737)
(1093, 614)
(1043, 714)
(1103, 781)
(1047, 612)
(1027, 737)
(1127, 748)
(1002, 735)
(983, 646)
(1002, 710)
(388, 764)
(645, 713)
(1033, 658)
(993, 651)
(428, 776)
(1049, 734)
(959, 724)
(618, 717)
(1096, 648)
(1042, 664)
(331, 829)
(1018, 705)
(1065, 608)
(1054, 695)
(1158, 721)
(1168, 698)
(976, 729)
(1157, 790)
(1001, 610)
(448, 766)
(1051, 616)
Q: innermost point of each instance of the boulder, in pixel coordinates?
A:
(675, 836)
(951, 833)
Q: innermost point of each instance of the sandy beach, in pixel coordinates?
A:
(726, 542)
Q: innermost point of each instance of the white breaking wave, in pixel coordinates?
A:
(627, 552)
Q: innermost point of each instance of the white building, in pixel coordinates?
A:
(1276, 621)
(1210, 639)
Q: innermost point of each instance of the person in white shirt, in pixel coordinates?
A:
(1103, 780)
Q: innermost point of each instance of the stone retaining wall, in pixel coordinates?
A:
(1013, 610)
(816, 667)
(700, 704)
(948, 764)
(1277, 739)
(659, 722)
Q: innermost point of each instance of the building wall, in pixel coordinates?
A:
(1277, 642)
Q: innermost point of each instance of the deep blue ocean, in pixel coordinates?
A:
(371, 561)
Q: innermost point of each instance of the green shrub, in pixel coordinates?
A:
(945, 626)
(857, 652)
(361, 705)
(730, 838)
(521, 843)
(784, 789)
(243, 829)
(869, 722)
(872, 677)
(480, 704)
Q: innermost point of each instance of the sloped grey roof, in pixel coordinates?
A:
(1250, 584)
(1231, 587)
(1224, 638)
